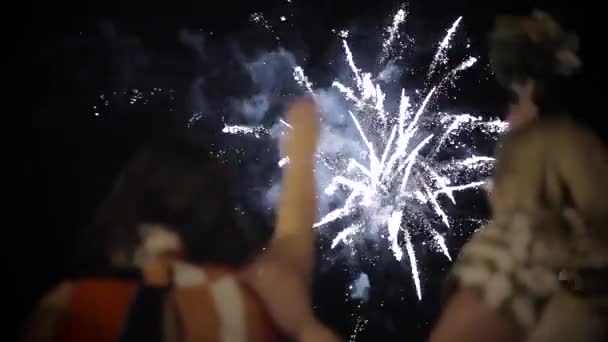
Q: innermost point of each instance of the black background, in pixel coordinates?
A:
(74, 155)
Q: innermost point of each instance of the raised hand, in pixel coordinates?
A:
(282, 275)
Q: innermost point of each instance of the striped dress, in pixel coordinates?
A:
(201, 304)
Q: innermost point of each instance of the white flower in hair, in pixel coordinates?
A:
(156, 240)
(568, 62)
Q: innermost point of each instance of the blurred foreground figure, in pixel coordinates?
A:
(539, 270)
(173, 257)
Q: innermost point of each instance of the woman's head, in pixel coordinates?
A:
(535, 60)
(183, 187)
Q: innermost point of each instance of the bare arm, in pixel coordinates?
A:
(282, 275)
(467, 318)
(297, 206)
(42, 325)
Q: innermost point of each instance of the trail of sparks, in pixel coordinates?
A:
(413, 263)
(393, 32)
(440, 55)
(394, 226)
(246, 130)
(300, 77)
(441, 242)
(399, 171)
(345, 235)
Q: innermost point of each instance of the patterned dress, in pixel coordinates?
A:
(540, 263)
(515, 265)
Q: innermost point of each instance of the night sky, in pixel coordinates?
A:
(88, 50)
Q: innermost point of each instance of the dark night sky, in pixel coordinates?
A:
(75, 155)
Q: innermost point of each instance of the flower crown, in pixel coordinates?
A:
(534, 46)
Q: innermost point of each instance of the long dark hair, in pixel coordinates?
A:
(179, 184)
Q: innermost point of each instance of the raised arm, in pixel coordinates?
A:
(297, 206)
(282, 275)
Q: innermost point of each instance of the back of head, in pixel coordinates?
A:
(183, 187)
(536, 48)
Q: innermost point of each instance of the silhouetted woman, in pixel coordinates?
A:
(173, 258)
(539, 270)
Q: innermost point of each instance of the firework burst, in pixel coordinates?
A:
(396, 184)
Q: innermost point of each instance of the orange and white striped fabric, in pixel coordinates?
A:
(210, 304)
(202, 304)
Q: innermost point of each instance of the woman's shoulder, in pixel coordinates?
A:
(558, 131)
(551, 138)
(42, 322)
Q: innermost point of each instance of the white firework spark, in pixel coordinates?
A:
(440, 55)
(238, 129)
(300, 77)
(393, 32)
(398, 184)
(259, 19)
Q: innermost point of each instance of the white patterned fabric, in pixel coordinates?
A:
(514, 265)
